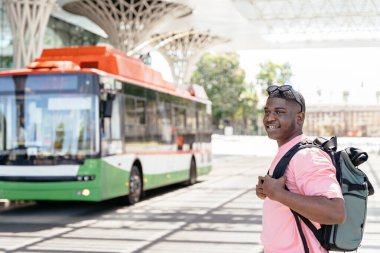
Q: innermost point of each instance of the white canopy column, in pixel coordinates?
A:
(28, 19)
(182, 50)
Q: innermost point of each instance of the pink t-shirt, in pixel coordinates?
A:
(310, 172)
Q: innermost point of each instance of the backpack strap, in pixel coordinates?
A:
(281, 166)
(279, 171)
(355, 187)
(327, 144)
(300, 231)
(310, 226)
(371, 190)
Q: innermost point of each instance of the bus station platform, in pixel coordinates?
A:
(219, 214)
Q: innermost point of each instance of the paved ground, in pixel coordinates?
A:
(219, 214)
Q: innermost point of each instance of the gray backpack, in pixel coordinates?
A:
(355, 188)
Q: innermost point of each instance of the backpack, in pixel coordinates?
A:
(355, 188)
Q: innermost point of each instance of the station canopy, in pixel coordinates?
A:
(264, 24)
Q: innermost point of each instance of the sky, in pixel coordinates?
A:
(327, 70)
(160, 64)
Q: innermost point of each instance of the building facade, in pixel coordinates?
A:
(355, 121)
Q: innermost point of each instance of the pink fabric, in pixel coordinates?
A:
(310, 172)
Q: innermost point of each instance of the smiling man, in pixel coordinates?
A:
(312, 188)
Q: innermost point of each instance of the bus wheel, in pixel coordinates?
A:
(135, 186)
(193, 173)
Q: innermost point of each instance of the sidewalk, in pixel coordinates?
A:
(219, 214)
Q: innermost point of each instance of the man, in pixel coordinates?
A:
(313, 190)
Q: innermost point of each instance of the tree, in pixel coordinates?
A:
(273, 74)
(223, 80)
(246, 116)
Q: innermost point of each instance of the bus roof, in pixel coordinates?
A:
(104, 58)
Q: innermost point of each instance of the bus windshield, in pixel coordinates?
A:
(48, 119)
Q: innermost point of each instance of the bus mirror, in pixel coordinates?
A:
(118, 85)
(107, 83)
(107, 110)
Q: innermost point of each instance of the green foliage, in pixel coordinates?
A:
(223, 80)
(6, 61)
(233, 99)
(245, 118)
(273, 74)
(248, 101)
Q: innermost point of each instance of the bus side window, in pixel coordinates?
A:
(191, 120)
(141, 119)
(140, 112)
(129, 117)
(135, 119)
(111, 139)
(116, 120)
(152, 117)
(164, 126)
(180, 118)
(191, 127)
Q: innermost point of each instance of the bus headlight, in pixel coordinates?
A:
(85, 192)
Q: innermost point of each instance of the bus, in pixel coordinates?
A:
(91, 123)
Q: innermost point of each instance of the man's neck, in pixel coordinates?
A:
(283, 142)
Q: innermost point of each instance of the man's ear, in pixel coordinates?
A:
(300, 118)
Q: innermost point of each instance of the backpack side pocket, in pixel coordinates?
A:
(348, 236)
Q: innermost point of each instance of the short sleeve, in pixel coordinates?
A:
(315, 174)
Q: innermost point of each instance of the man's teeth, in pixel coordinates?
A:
(272, 127)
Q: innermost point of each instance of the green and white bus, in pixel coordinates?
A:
(91, 123)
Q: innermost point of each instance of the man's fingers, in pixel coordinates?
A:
(283, 179)
(260, 191)
(267, 176)
(262, 196)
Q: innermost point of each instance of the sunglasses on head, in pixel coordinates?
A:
(286, 88)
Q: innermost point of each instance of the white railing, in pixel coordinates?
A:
(263, 146)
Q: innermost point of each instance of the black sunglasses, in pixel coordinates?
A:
(285, 88)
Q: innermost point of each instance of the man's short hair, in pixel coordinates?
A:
(287, 95)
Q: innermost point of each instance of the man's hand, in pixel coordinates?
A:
(272, 187)
(259, 188)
